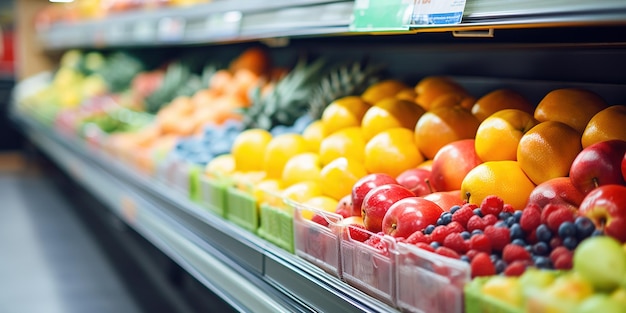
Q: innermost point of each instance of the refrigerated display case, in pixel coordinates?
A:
(532, 46)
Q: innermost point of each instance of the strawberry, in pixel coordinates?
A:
(558, 252)
(463, 215)
(455, 242)
(559, 217)
(517, 268)
(492, 205)
(455, 227)
(499, 237)
(440, 233)
(480, 243)
(481, 265)
(357, 233)
(563, 262)
(512, 252)
(476, 222)
(425, 246)
(490, 219)
(447, 252)
(531, 217)
(416, 237)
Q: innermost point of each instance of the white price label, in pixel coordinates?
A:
(225, 24)
(171, 29)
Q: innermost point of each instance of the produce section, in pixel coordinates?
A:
(379, 191)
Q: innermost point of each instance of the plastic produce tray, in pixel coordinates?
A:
(242, 209)
(276, 225)
(213, 194)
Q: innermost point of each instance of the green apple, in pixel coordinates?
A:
(619, 295)
(537, 278)
(563, 295)
(600, 302)
(602, 261)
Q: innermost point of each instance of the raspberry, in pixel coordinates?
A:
(547, 211)
(517, 268)
(508, 208)
(416, 237)
(463, 215)
(317, 218)
(471, 253)
(358, 233)
(377, 243)
(455, 242)
(531, 238)
(558, 252)
(425, 246)
(447, 252)
(439, 234)
(476, 222)
(512, 252)
(555, 242)
(492, 205)
(480, 243)
(499, 237)
(481, 265)
(558, 217)
(531, 218)
(490, 219)
(563, 262)
(455, 227)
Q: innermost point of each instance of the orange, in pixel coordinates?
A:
(278, 151)
(255, 59)
(500, 99)
(392, 152)
(344, 112)
(430, 88)
(506, 179)
(348, 142)
(407, 94)
(301, 167)
(325, 203)
(606, 125)
(338, 177)
(548, 150)
(313, 135)
(248, 146)
(221, 165)
(443, 125)
(390, 113)
(302, 191)
(383, 89)
(572, 106)
(452, 99)
(498, 135)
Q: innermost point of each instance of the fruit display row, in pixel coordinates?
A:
(394, 187)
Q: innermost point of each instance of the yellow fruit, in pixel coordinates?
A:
(325, 203)
(390, 113)
(392, 152)
(506, 179)
(572, 106)
(430, 88)
(504, 288)
(248, 147)
(348, 142)
(221, 165)
(428, 164)
(313, 135)
(383, 89)
(344, 112)
(548, 150)
(266, 191)
(279, 150)
(338, 177)
(407, 94)
(301, 167)
(500, 99)
(303, 191)
(606, 125)
(498, 135)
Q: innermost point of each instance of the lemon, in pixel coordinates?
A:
(303, 191)
(338, 177)
(325, 203)
(248, 147)
(278, 151)
(344, 112)
(390, 113)
(301, 167)
(266, 190)
(221, 165)
(348, 142)
(313, 135)
(392, 152)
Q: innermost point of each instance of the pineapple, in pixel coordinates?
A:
(346, 80)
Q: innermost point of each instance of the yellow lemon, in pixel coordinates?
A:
(313, 135)
(248, 146)
(348, 142)
(301, 167)
(390, 113)
(392, 152)
(383, 89)
(338, 177)
(221, 165)
(302, 191)
(344, 112)
(279, 150)
(266, 190)
(325, 203)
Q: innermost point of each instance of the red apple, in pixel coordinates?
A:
(558, 190)
(344, 207)
(451, 163)
(446, 199)
(598, 164)
(416, 180)
(378, 201)
(364, 185)
(409, 215)
(606, 207)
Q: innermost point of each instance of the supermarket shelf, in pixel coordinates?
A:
(248, 272)
(241, 20)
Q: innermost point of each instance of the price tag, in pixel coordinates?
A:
(437, 12)
(129, 209)
(144, 31)
(225, 24)
(381, 15)
(171, 29)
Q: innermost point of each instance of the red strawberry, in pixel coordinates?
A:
(481, 265)
(563, 262)
(513, 252)
(517, 268)
(480, 243)
(416, 237)
(471, 253)
(447, 252)
(357, 233)
(499, 237)
(559, 217)
(455, 242)
(508, 208)
(463, 215)
(425, 246)
(559, 251)
(455, 227)
(440, 233)
(490, 219)
(476, 222)
(531, 218)
(492, 205)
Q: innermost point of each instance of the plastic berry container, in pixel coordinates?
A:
(242, 209)
(213, 193)
(428, 282)
(315, 242)
(276, 220)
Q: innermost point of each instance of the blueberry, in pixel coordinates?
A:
(501, 224)
(439, 221)
(465, 258)
(446, 218)
(504, 215)
(494, 258)
(519, 242)
(517, 232)
(435, 245)
(570, 242)
(280, 130)
(478, 212)
(584, 227)
(500, 266)
(511, 220)
(466, 235)
(517, 215)
(567, 229)
(429, 229)
(455, 208)
(543, 233)
(597, 232)
(476, 232)
(541, 248)
(543, 262)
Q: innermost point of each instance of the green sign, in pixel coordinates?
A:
(381, 15)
